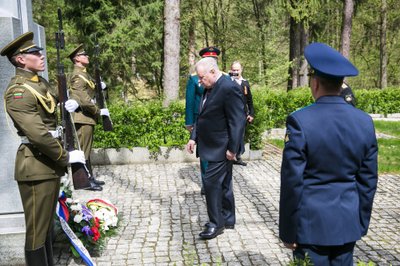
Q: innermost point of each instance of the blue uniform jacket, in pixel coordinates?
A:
(328, 175)
(194, 92)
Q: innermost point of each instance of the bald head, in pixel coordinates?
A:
(207, 70)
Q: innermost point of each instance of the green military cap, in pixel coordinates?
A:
(22, 44)
(77, 51)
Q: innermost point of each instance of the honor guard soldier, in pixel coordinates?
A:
(41, 160)
(194, 92)
(82, 102)
(329, 167)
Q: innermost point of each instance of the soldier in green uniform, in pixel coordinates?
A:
(41, 159)
(82, 102)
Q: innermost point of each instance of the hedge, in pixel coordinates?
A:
(150, 125)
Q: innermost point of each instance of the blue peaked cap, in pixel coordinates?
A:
(327, 62)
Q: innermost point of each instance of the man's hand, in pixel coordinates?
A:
(190, 146)
(71, 105)
(189, 128)
(104, 111)
(230, 155)
(250, 118)
(291, 246)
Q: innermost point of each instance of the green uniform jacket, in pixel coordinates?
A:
(82, 90)
(33, 112)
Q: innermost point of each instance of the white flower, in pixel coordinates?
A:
(76, 207)
(78, 218)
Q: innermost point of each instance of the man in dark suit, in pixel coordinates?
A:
(194, 92)
(236, 75)
(217, 132)
(329, 167)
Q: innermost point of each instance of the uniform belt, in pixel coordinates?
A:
(54, 133)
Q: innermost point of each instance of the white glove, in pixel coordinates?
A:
(104, 112)
(103, 85)
(77, 156)
(71, 105)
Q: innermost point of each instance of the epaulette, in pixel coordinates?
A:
(224, 73)
(193, 74)
(20, 80)
(344, 86)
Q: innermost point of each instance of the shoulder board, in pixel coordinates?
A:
(344, 86)
(20, 80)
(305, 107)
(224, 73)
(193, 74)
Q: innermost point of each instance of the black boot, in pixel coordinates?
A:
(93, 186)
(93, 179)
(36, 257)
(49, 250)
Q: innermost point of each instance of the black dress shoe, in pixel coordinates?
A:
(98, 182)
(240, 162)
(229, 226)
(211, 232)
(94, 187)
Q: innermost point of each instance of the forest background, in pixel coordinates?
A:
(267, 36)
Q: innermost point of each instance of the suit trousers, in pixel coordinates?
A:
(39, 200)
(85, 136)
(203, 168)
(219, 194)
(327, 255)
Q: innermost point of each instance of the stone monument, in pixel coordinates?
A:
(15, 19)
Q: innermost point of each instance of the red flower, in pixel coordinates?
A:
(96, 233)
(96, 222)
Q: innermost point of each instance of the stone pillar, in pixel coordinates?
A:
(15, 19)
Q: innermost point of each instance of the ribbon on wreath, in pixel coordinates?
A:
(62, 213)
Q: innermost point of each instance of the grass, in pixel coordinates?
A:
(389, 149)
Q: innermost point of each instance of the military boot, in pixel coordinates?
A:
(36, 257)
(49, 250)
(92, 178)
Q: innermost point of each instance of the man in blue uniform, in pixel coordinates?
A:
(329, 167)
(194, 92)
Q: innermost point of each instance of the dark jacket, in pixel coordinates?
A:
(221, 121)
(329, 174)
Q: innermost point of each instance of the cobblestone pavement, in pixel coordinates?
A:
(163, 213)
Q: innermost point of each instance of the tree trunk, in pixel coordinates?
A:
(192, 44)
(294, 54)
(171, 51)
(348, 10)
(383, 51)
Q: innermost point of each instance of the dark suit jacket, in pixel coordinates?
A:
(328, 175)
(249, 108)
(221, 121)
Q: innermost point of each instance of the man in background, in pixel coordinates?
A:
(83, 105)
(236, 75)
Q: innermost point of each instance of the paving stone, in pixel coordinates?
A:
(163, 213)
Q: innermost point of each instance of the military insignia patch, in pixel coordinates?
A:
(18, 95)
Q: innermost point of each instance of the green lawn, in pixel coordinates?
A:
(389, 149)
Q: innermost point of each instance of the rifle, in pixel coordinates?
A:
(107, 123)
(80, 174)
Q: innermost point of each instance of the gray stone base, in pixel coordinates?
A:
(12, 239)
(143, 155)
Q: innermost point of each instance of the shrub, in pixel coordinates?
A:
(150, 125)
